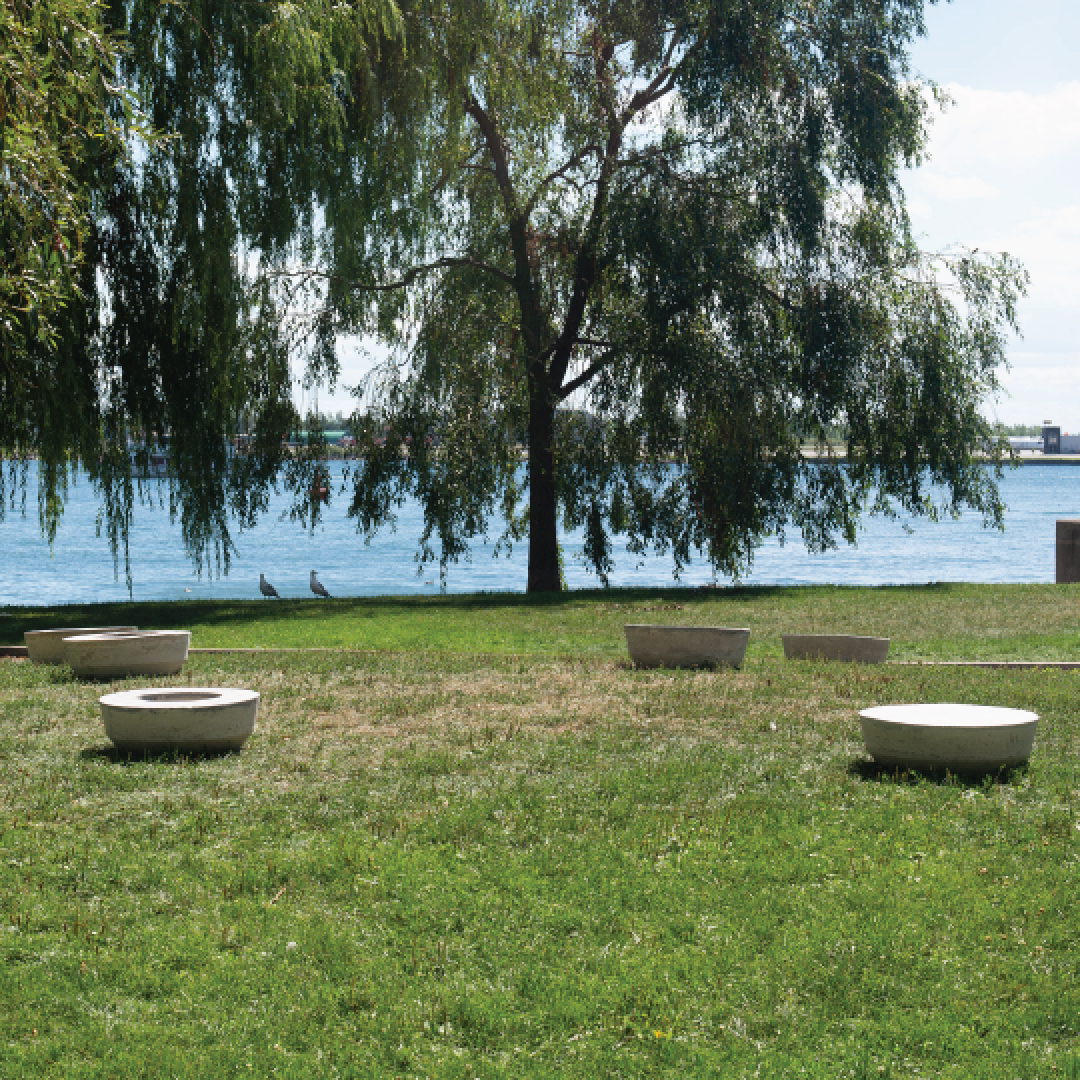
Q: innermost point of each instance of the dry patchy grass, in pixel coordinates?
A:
(449, 865)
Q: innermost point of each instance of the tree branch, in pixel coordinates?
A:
(532, 319)
(587, 267)
(580, 380)
(663, 82)
(560, 172)
(448, 262)
(497, 149)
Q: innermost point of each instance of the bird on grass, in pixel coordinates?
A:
(316, 586)
(266, 588)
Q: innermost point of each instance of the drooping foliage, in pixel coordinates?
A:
(159, 238)
(656, 248)
(57, 134)
(647, 248)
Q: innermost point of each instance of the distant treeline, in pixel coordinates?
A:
(339, 421)
(839, 434)
(1017, 429)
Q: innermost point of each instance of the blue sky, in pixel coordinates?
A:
(1003, 174)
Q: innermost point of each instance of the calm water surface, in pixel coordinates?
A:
(79, 569)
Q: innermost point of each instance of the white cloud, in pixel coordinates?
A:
(956, 187)
(986, 128)
(1049, 394)
(1024, 149)
(1049, 244)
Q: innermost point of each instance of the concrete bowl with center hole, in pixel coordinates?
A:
(142, 652)
(47, 646)
(180, 718)
(685, 646)
(962, 738)
(849, 648)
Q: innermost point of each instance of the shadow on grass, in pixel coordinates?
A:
(165, 615)
(151, 757)
(872, 772)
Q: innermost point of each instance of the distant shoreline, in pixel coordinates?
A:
(1027, 459)
(1050, 459)
(1053, 459)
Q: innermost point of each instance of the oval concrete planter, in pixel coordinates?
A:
(685, 646)
(963, 738)
(180, 718)
(143, 652)
(47, 646)
(848, 648)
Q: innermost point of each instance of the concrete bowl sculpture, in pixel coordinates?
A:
(848, 648)
(685, 646)
(962, 738)
(193, 718)
(47, 646)
(142, 652)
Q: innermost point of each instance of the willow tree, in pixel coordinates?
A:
(160, 163)
(655, 247)
(58, 99)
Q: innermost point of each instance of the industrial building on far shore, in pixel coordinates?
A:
(1051, 441)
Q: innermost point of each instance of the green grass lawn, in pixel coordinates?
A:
(468, 850)
(946, 621)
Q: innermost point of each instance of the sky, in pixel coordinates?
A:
(1003, 174)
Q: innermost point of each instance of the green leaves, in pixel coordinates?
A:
(683, 225)
(61, 117)
(51, 104)
(145, 280)
(648, 251)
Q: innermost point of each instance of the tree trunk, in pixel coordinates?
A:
(544, 573)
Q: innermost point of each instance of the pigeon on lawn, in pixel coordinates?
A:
(266, 588)
(316, 586)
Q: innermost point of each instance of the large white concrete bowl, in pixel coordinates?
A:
(47, 646)
(685, 646)
(190, 718)
(849, 648)
(963, 738)
(142, 652)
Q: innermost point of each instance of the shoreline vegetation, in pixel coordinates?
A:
(470, 840)
(1021, 458)
(335, 453)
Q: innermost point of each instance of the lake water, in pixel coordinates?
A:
(79, 569)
